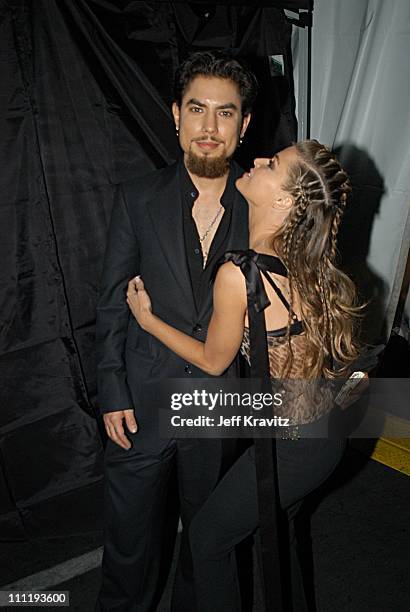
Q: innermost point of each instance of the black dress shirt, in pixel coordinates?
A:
(200, 276)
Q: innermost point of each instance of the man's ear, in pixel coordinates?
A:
(176, 114)
(245, 123)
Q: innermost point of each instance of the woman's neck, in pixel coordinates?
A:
(261, 235)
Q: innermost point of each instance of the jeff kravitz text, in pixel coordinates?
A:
(233, 421)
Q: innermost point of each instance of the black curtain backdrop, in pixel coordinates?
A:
(86, 88)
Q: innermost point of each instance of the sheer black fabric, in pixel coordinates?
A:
(85, 105)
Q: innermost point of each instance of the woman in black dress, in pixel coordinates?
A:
(308, 307)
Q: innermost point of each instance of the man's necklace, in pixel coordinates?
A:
(210, 226)
(203, 237)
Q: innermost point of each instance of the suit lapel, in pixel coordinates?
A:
(165, 211)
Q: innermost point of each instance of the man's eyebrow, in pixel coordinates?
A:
(228, 105)
(196, 102)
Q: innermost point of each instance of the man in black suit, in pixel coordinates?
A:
(171, 227)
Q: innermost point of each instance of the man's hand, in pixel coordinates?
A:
(114, 426)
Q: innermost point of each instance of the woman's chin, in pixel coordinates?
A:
(241, 184)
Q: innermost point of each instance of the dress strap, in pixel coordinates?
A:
(247, 261)
(280, 295)
(270, 263)
(252, 265)
(277, 290)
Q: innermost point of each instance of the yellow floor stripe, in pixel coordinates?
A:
(395, 453)
(390, 449)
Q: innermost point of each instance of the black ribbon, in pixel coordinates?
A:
(273, 520)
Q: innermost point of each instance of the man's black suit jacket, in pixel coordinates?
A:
(146, 237)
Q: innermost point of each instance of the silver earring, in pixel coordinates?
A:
(240, 142)
(177, 131)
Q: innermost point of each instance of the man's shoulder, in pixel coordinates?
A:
(147, 184)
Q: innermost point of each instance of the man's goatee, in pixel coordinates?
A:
(207, 167)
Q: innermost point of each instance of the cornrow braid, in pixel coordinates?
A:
(334, 232)
(301, 203)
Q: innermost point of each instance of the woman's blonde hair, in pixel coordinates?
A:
(307, 243)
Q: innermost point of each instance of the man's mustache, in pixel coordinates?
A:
(211, 139)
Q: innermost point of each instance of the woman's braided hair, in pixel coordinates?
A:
(308, 245)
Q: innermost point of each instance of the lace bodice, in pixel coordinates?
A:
(279, 353)
(304, 401)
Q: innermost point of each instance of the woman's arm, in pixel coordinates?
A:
(225, 329)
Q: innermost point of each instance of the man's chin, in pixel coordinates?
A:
(206, 166)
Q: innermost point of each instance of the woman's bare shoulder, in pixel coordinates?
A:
(230, 274)
(230, 279)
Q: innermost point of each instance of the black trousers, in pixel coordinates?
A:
(142, 506)
(231, 513)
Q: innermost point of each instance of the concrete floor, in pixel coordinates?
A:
(359, 529)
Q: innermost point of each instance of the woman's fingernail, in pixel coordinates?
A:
(137, 278)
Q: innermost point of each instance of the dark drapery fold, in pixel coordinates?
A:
(86, 91)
